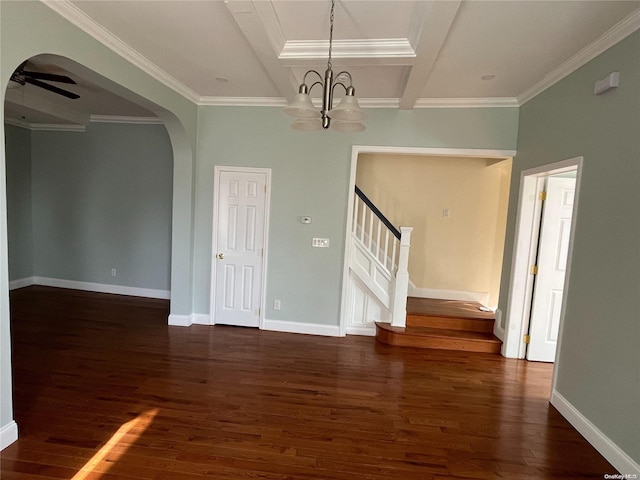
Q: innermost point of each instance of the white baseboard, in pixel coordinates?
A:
(8, 434)
(201, 319)
(300, 327)
(180, 320)
(21, 283)
(480, 297)
(364, 330)
(91, 287)
(607, 448)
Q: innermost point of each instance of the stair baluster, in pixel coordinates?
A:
(388, 251)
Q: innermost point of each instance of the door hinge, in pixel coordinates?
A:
(259, 311)
(534, 269)
(527, 339)
(542, 195)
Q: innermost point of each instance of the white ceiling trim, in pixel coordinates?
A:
(248, 18)
(51, 127)
(73, 14)
(55, 127)
(489, 102)
(615, 34)
(440, 152)
(269, 18)
(243, 101)
(357, 48)
(42, 106)
(125, 119)
(437, 24)
(379, 102)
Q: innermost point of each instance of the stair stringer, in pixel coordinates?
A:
(364, 308)
(370, 291)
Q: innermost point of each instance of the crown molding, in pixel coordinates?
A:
(77, 17)
(125, 119)
(45, 127)
(491, 102)
(379, 102)
(243, 101)
(487, 102)
(608, 39)
(363, 48)
(17, 123)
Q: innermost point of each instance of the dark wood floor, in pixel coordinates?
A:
(104, 389)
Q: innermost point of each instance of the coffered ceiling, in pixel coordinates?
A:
(401, 53)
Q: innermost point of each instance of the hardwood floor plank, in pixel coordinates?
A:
(103, 379)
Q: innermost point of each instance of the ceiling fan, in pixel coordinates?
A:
(23, 77)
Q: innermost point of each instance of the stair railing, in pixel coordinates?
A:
(389, 246)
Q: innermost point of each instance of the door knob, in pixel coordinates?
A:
(221, 256)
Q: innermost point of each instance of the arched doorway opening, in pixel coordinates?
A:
(126, 120)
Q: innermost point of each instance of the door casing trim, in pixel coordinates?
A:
(524, 246)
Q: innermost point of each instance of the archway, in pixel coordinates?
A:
(180, 207)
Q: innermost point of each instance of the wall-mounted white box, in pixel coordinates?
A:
(320, 242)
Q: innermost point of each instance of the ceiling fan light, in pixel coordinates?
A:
(347, 127)
(348, 110)
(302, 107)
(307, 124)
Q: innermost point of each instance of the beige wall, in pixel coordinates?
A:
(462, 252)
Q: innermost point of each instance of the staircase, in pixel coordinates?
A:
(444, 325)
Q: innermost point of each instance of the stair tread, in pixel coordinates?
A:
(441, 333)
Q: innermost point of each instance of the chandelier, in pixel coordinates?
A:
(346, 116)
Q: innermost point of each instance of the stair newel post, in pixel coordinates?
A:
(401, 287)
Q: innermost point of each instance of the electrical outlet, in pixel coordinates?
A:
(276, 304)
(445, 212)
(113, 272)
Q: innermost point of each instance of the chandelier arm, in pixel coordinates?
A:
(314, 84)
(333, 87)
(304, 79)
(344, 72)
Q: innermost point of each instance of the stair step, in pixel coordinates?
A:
(438, 338)
(484, 325)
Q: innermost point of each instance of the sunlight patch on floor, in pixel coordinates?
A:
(142, 422)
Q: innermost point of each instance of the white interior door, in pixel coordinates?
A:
(239, 240)
(553, 249)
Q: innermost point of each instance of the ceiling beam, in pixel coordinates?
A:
(438, 18)
(258, 23)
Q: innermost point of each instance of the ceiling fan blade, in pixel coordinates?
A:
(51, 88)
(48, 76)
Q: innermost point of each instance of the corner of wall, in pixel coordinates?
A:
(603, 444)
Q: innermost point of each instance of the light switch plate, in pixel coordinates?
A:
(320, 242)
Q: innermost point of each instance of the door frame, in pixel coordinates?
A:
(217, 170)
(356, 150)
(525, 247)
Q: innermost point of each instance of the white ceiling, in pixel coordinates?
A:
(402, 54)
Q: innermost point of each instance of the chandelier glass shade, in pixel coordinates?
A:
(348, 115)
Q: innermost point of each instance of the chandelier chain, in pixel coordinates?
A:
(333, 6)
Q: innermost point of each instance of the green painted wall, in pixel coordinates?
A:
(310, 177)
(102, 200)
(19, 212)
(598, 369)
(50, 33)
